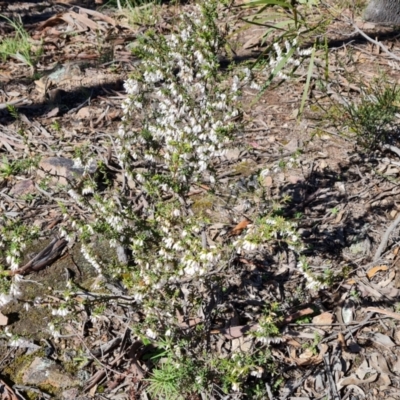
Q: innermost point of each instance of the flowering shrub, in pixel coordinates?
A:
(179, 115)
(186, 111)
(14, 237)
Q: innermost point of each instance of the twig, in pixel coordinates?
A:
(348, 332)
(101, 373)
(331, 381)
(44, 258)
(385, 312)
(293, 387)
(385, 238)
(394, 149)
(379, 44)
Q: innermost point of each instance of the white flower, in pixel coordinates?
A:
(169, 242)
(236, 387)
(53, 330)
(176, 212)
(87, 190)
(15, 291)
(77, 163)
(140, 178)
(18, 342)
(138, 297)
(268, 340)
(249, 246)
(305, 52)
(73, 194)
(132, 86)
(90, 259)
(151, 334)
(5, 299)
(258, 372)
(62, 312)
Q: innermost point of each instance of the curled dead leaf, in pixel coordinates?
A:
(353, 380)
(373, 271)
(238, 229)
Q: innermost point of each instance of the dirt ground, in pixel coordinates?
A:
(343, 197)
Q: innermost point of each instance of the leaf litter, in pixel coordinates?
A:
(356, 354)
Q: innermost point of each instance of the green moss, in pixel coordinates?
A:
(246, 168)
(201, 204)
(16, 369)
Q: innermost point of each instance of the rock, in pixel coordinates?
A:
(60, 168)
(3, 319)
(43, 371)
(86, 113)
(23, 188)
(232, 154)
(73, 394)
(292, 146)
(295, 179)
(386, 12)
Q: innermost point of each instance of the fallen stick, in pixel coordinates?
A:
(46, 257)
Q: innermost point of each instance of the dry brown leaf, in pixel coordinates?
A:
(378, 362)
(306, 354)
(373, 271)
(294, 343)
(73, 23)
(52, 21)
(52, 113)
(385, 312)
(325, 318)
(396, 367)
(353, 380)
(388, 280)
(339, 216)
(306, 358)
(84, 20)
(341, 340)
(382, 339)
(191, 322)
(301, 313)
(3, 319)
(7, 393)
(397, 337)
(84, 113)
(235, 331)
(238, 229)
(268, 181)
(254, 40)
(98, 15)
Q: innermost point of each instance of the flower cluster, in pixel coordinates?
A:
(287, 59)
(14, 238)
(312, 282)
(186, 111)
(264, 230)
